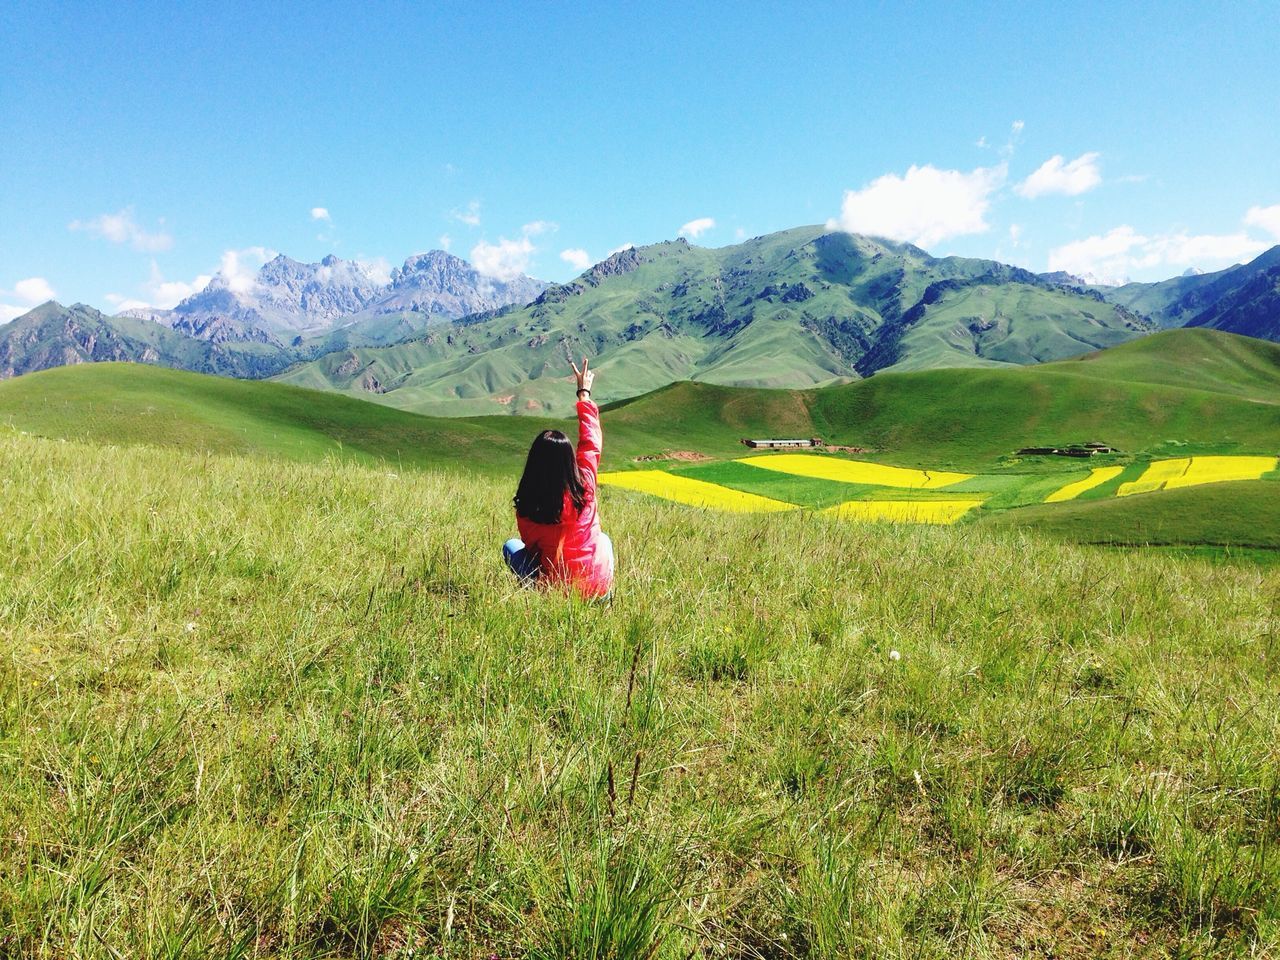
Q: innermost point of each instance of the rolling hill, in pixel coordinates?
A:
(1181, 390)
(795, 309)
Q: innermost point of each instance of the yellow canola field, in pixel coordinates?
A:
(694, 493)
(1220, 469)
(855, 471)
(1193, 471)
(1155, 476)
(1097, 476)
(903, 511)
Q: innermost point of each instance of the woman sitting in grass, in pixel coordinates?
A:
(560, 537)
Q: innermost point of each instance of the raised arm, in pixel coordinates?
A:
(590, 437)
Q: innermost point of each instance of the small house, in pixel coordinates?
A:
(780, 444)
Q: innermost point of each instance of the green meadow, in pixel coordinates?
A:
(267, 690)
(303, 710)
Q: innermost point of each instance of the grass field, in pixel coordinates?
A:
(257, 708)
(1198, 404)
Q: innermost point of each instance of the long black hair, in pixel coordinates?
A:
(550, 470)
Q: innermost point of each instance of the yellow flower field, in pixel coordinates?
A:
(855, 471)
(904, 511)
(1220, 469)
(694, 493)
(1155, 476)
(1097, 476)
(1193, 471)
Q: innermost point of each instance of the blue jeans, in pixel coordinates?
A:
(524, 562)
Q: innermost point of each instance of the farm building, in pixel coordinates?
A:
(1070, 450)
(783, 444)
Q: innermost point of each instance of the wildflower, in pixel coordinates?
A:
(894, 655)
(393, 476)
(191, 628)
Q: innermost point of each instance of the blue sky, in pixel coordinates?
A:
(150, 145)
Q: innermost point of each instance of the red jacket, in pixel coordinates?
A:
(568, 549)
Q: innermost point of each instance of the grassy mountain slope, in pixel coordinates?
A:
(132, 403)
(1145, 396)
(125, 403)
(799, 308)
(1242, 299)
(1183, 390)
(1252, 308)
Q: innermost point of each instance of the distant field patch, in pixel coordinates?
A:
(1097, 476)
(1221, 469)
(694, 493)
(872, 492)
(856, 471)
(1194, 471)
(903, 511)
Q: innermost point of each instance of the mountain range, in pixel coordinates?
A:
(288, 312)
(799, 308)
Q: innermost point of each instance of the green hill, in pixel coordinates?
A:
(138, 404)
(1182, 390)
(794, 309)
(1196, 390)
(1153, 395)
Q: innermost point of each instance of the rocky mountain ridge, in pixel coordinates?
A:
(796, 308)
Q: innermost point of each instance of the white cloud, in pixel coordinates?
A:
(1181, 249)
(507, 259)
(504, 260)
(470, 216)
(925, 206)
(1268, 218)
(1122, 251)
(1015, 233)
(122, 228)
(695, 228)
(378, 269)
(321, 213)
(120, 302)
(167, 294)
(1056, 175)
(239, 268)
(1015, 134)
(32, 292)
(625, 246)
(445, 242)
(576, 257)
